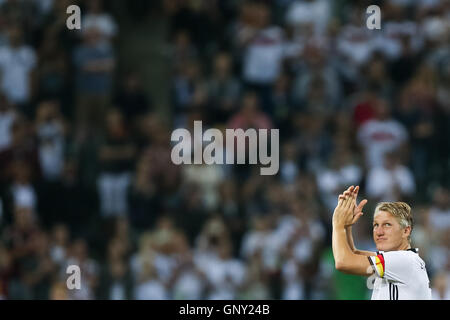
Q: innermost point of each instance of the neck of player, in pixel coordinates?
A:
(405, 246)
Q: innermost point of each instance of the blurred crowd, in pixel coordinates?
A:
(86, 176)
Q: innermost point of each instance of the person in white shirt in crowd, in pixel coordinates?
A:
(309, 12)
(354, 42)
(22, 190)
(263, 50)
(116, 155)
(381, 135)
(188, 281)
(147, 283)
(149, 286)
(17, 66)
(258, 239)
(213, 258)
(439, 253)
(224, 273)
(213, 231)
(301, 249)
(437, 229)
(293, 282)
(395, 28)
(50, 128)
(256, 280)
(145, 251)
(206, 176)
(440, 289)
(390, 181)
(159, 247)
(96, 17)
(59, 245)
(439, 213)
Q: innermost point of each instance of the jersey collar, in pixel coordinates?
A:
(415, 250)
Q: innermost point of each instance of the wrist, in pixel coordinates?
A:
(339, 225)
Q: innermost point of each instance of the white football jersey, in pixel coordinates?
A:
(401, 275)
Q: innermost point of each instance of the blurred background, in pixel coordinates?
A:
(85, 123)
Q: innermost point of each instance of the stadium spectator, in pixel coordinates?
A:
(316, 88)
(188, 281)
(59, 243)
(115, 279)
(39, 269)
(17, 66)
(188, 92)
(224, 273)
(301, 14)
(19, 238)
(390, 181)
(53, 80)
(439, 254)
(50, 131)
(438, 218)
(355, 41)
(182, 50)
(94, 64)
(250, 115)
(223, 89)
(441, 287)
(143, 197)
(116, 155)
(377, 79)
(418, 118)
(97, 18)
(149, 286)
(381, 135)
(263, 52)
(256, 281)
(132, 100)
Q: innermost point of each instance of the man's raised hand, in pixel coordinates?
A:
(343, 213)
(357, 212)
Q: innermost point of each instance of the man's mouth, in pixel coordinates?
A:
(381, 239)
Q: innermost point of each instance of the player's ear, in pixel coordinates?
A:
(407, 231)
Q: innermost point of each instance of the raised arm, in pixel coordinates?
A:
(348, 233)
(357, 213)
(345, 259)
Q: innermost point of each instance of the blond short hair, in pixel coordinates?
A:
(400, 210)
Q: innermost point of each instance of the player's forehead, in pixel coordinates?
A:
(382, 216)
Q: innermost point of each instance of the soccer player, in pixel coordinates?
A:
(400, 272)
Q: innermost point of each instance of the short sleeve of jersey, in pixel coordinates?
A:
(394, 265)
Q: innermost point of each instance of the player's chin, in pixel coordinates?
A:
(381, 246)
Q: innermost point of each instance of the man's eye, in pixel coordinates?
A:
(388, 224)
